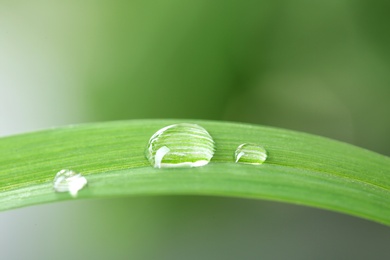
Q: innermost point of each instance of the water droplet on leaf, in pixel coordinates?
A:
(180, 145)
(250, 154)
(69, 181)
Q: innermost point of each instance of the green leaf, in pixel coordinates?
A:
(300, 168)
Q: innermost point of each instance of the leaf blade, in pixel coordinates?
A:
(300, 168)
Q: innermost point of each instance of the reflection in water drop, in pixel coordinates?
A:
(250, 154)
(69, 181)
(180, 145)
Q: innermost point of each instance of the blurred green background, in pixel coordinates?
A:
(316, 66)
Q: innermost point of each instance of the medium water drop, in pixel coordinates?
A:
(69, 181)
(180, 145)
(250, 154)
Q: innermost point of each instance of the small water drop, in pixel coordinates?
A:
(69, 181)
(250, 154)
(180, 145)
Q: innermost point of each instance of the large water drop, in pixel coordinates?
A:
(180, 145)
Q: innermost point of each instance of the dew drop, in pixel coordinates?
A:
(250, 154)
(180, 145)
(69, 181)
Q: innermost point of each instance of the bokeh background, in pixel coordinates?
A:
(320, 67)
